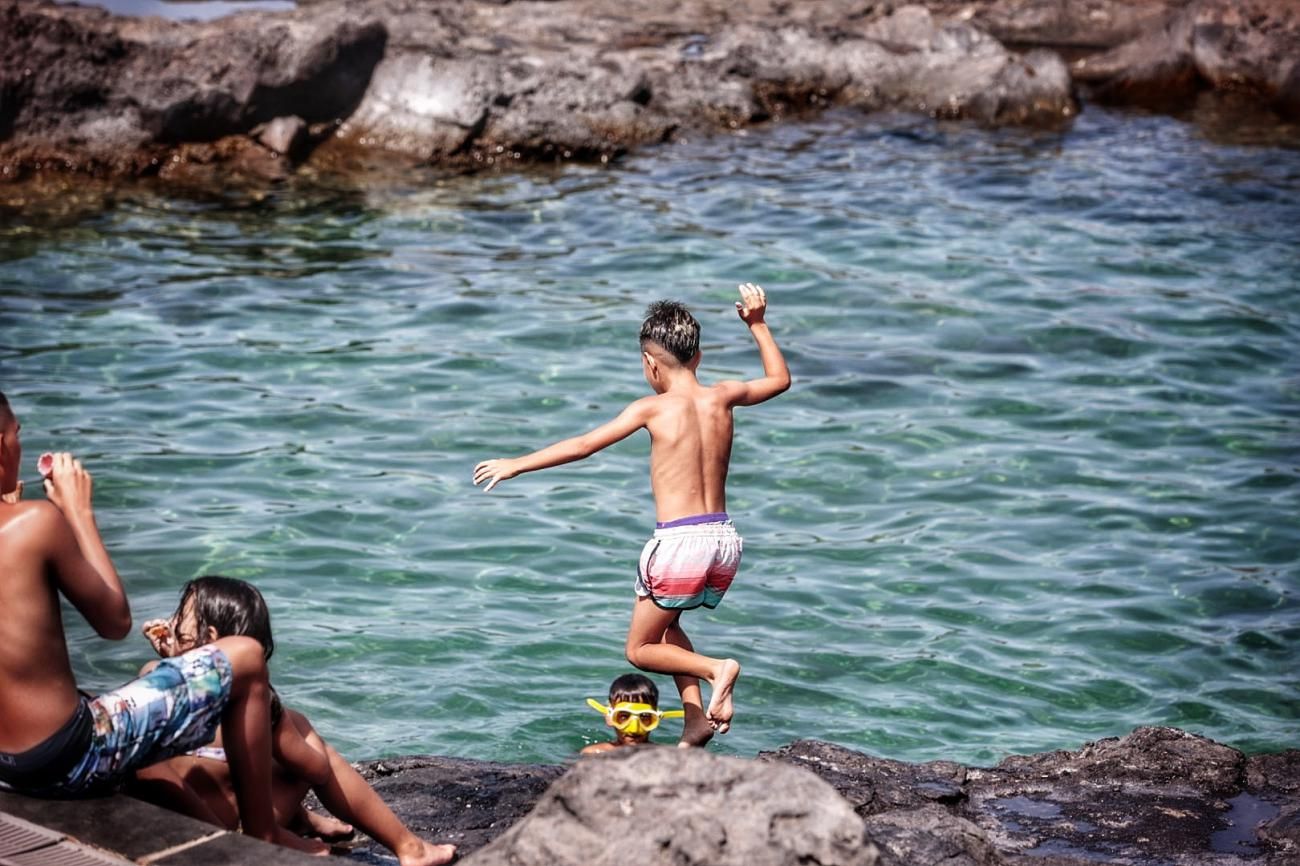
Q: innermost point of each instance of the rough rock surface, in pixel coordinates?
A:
(1157, 796)
(667, 805)
(351, 84)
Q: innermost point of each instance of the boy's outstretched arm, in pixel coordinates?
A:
(752, 309)
(630, 420)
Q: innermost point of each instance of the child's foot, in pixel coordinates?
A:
(290, 839)
(697, 730)
(723, 681)
(327, 827)
(422, 853)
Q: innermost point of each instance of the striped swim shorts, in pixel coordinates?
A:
(689, 562)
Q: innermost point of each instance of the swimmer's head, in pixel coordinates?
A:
(632, 690)
(671, 329)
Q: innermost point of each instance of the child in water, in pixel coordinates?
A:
(200, 783)
(633, 712)
(695, 551)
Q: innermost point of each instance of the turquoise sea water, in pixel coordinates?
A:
(1036, 482)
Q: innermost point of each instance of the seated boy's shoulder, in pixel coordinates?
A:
(597, 748)
(38, 518)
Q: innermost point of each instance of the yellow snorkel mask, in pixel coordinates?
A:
(633, 719)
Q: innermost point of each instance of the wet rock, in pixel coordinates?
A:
(464, 802)
(479, 83)
(666, 805)
(1244, 46)
(1156, 796)
(874, 785)
(285, 136)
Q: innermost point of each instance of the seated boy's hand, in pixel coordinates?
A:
(752, 304)
(160, 636)
(494, 472)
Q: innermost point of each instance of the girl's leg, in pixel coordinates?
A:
(351, 798)
(648, 649)
(246, 733)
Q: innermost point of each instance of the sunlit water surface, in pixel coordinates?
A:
(1035, 483)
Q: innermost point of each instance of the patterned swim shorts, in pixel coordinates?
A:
(174, 708)
(689, 562)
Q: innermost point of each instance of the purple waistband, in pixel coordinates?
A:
(695, 520)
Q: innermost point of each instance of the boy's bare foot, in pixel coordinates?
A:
(723, 681)
(327, 827)
(697, 730)
(290, 839)
(422, 853)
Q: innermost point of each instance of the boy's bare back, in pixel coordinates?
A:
(690, 424)
(47, 548)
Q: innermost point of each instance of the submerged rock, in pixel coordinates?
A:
(1156, 796)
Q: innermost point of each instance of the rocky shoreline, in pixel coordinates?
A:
(348, 87)
(1155, 796)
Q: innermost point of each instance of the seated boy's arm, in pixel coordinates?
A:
(81, 564)
(97, 597)
(752, 309)
(631, 419)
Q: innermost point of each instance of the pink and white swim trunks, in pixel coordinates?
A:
(689, 562)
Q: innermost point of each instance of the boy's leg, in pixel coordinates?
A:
(697, 731)
(648, 650)
(350, 797)
(246, 733)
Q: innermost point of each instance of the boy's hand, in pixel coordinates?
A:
(69, 485)
(494, 472)
(752, 304)
(160, 636)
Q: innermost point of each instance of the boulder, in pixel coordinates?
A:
(674, 806)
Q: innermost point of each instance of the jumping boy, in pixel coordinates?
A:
(695, 551)
(55, 742)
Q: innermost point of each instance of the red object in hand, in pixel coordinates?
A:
(45, 464)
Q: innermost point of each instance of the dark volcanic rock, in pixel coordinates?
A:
(1157, 797)
(1247, 46)
(473, 83)
(667, 805)
(467, 803)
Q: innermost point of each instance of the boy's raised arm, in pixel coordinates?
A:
(627, 422)
(752, 309)
(84, 571)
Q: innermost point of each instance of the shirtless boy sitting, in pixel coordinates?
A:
(54, 742)
(695, 551)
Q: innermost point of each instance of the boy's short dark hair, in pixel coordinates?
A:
(5, 409)
(670, 325)
(634, 689)
(232, 607)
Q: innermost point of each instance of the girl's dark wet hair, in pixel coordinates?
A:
(232, 607)
(634, 689)
(670, 325)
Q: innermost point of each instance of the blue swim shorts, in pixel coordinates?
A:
(172, 709)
